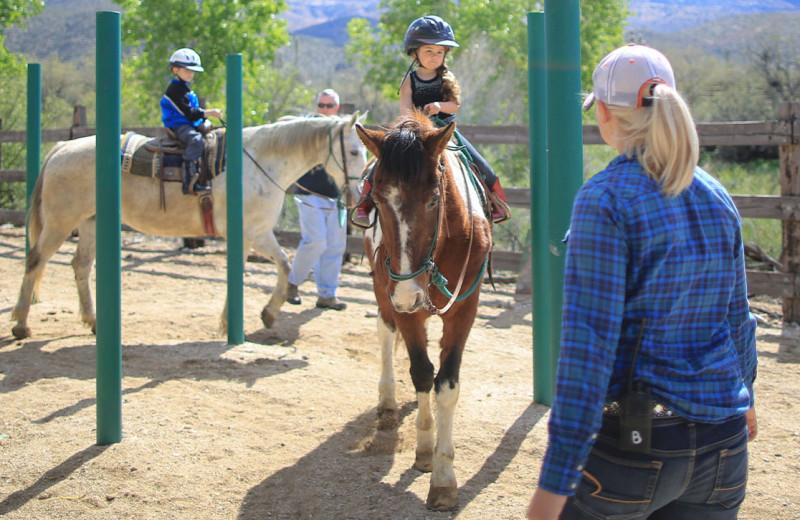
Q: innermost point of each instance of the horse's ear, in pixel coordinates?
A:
(372, 139)
(358, 117)
(437, 140)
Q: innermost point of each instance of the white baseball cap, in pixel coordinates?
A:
(625, 75)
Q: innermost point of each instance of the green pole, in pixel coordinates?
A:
(234, 189)
(540, 207)
(108, 222)
(564, 142)
(33, 136)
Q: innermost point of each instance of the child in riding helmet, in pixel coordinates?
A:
(433, 89)
(181, 113)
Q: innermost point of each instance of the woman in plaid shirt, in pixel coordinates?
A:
(655, 312)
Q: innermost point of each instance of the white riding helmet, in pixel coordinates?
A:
(186, 58)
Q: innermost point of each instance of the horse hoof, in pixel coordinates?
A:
(267, 318)
(442, 498)
(424, 463)
(21, 331)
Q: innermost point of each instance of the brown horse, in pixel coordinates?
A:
(428, 252)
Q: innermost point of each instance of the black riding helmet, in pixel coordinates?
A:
(428, 30)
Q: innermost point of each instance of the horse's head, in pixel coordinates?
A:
(408, 190)
(347, 156)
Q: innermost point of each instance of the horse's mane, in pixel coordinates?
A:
(402, 156)
(291, 132)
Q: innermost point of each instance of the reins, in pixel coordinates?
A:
(342, 166)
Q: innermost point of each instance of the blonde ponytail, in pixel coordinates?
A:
(663, 137)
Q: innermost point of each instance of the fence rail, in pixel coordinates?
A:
(784, 132)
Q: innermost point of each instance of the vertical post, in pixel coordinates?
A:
(33, 135)
(540, 257)
(108, 222)
(790, 186)
(564, 142)
(234, 205)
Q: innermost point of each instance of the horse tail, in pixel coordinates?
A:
(34, 217)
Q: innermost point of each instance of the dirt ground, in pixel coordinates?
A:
(283, 426)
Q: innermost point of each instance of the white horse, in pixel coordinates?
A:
(276, 155)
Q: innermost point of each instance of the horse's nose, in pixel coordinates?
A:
(407, 297)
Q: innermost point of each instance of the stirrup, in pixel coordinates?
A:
(360, 217)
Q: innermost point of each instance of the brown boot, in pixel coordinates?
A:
(331, 303)
(360, 215)
(500, 210)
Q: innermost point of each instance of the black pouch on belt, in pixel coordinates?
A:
(635, 418)
(636, 422)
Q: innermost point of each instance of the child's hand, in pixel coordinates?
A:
(214, 112)
(432, 108)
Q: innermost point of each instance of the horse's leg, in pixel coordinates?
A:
(443, 492)
(415, 336)
(267, 245)
(387, 402)
(39, 254)
(82, 264)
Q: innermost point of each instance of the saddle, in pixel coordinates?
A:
(160, 158)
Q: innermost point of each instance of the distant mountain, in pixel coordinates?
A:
(731, 38)
(66, 29)
(676, 15)
(334, 30)
(304, 14)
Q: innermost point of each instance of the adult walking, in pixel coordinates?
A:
(654, 395)
(323, 227)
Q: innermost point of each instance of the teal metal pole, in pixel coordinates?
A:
(540, 207)
(33, 135)
(234, 189)
(108, 222)
(564, 142)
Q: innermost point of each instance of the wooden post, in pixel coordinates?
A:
(79, 115)
(790, 186)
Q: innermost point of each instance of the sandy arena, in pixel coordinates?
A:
(283, 426)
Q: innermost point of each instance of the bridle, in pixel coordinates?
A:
(435, 277)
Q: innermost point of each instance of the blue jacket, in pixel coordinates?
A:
(180, 106)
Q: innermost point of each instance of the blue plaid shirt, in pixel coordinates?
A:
(678, 263)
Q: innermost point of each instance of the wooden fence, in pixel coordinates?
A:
(784, 132)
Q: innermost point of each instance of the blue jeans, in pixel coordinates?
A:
(322, 245)
(693, 471)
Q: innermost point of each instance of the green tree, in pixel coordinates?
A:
(15, 12)
(154, 29)
(13, 87)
